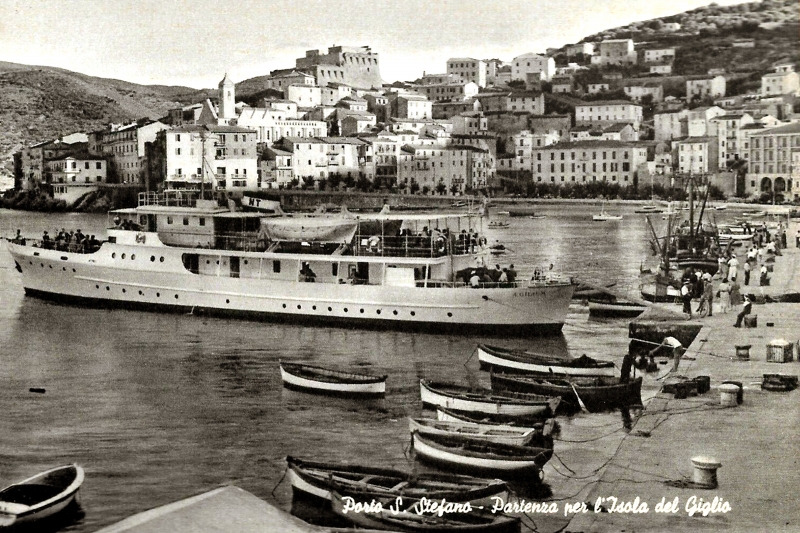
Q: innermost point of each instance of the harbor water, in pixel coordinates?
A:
(157, 407)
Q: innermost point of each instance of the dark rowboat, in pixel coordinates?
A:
(585, 291)
(614, 308)
(546, 426)
(385, 514)
(597, 394)
(522, 362)
(40, 496)
(316, 379)
(480, 457)
(462, 398)
(319, 479)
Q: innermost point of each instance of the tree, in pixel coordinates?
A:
(426, 190)
(454, 189)
(441, 187)
(413, 187)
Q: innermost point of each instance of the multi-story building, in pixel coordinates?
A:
(659, 55)
(699, 121)
(72, 176)
(385, 148)
(379, 105)
(355, 122)
(470, 123)
(615, 52)
(468, 69)
(279, 80)
(588, 161)
(620, 131)
(783, 81)
(512, 101)
(605, 112)
(770, 162)
(637, 91)
(573, 50)
(594, 88)
(699, 88)
(671, 124)
(357, 66)
(562, 84)
(124, 148)
(731, 137)
(272, 124)
(33, 159)
(445, 110)
(661, 68)
(553, 123)
(519, 148)
(527, 65)
(696, 156)
(274, 168)
(448, 92)
(456, 168)
(221, 157)
(412, 106)
(332, 93)
(305, 96)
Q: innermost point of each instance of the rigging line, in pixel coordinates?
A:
(285, 470)
(592, 439)
(474, 351)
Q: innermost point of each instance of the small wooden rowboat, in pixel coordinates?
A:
(614, 308)
(480, 457)
(545, 426)
(378, 513)
(492, 433)
(522, 362)
(585, 291)
(596, 393)
(461, 398)
(40, 496)
(316, 379)
(320, 479)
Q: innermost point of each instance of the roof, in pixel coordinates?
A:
(607, 102)
(342, 140)
(212, 128)
(617, 126)
(778, 74)
(278, 151)
(729, 116)
(781, 130)
(304, 140)
(690, 140)
(564, 145)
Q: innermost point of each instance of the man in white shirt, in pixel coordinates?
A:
(733, 265)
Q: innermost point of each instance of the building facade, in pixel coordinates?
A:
(615, 52)
(705, 88)
(468, 69)
(357, 66)
(588, 161)
(770, 165)
(532, 64)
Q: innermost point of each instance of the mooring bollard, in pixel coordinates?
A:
(743, 352)
(728, 393)
(705, 471)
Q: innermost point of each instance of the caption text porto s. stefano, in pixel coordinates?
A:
(609, 504)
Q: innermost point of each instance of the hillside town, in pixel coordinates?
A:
(609, 112)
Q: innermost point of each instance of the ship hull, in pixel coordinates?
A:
(112, 277)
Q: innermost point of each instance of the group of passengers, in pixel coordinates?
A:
(69, 241)
(480, 276)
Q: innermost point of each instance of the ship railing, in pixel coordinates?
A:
(171, 197)
(491, 284)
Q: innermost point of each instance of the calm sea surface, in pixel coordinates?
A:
(158, 407)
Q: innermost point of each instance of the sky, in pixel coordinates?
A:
(195, 42)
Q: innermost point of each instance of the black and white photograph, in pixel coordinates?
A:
(477, 266)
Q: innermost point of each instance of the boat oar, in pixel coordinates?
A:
(578, 396)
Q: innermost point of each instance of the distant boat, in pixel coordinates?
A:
(721, 207)
(603, 216)
(506, 213)
(520, 361)
(412, 516)
(316, 379)
(522, 211)
(498, 224)
(537, 216)
(319, 479)
(649, 208)
(597, 393)
(40, 496)
(483, 458)
(462, 398)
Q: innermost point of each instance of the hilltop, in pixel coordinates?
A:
(40, 103)
(706, 35)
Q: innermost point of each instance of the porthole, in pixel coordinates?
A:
(108, 288)
(378, 311)
(114, 255)
(227, 301)
(158, 295)
(141, 293)
(450, 314)
(245, 261)
(299, 306)
(123, 256)
(124, 291)
(152, 259)
(413, 313)
(97, 286)
(42, 264)
(51, 266)
(31, 262)
(345, 309)
(361, 310)
(64, 269)
(162, 259)
(217, 262)
(133, 256)
(284, 306)
(73, 270)
(176, 296)
(394, 312)
(330, 309)
(313, 307)
(208, 261)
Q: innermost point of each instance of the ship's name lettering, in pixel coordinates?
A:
(524, 294)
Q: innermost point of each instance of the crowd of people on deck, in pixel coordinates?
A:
(64, 241)
(733, 274)
(479, 276)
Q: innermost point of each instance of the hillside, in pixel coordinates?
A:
(707, 33)
(41, 103)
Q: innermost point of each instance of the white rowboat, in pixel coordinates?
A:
(40, 496)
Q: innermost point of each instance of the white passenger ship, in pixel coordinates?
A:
(383, 270)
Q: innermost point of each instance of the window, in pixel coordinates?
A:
(202, 221)
(185, 221)
(178, 137)
(86, 165)
(99, 165)
(169, 220)
(177, 151)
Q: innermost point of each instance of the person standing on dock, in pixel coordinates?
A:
(746, 268)
(724, 290)
(686, 296)
(733, 265)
